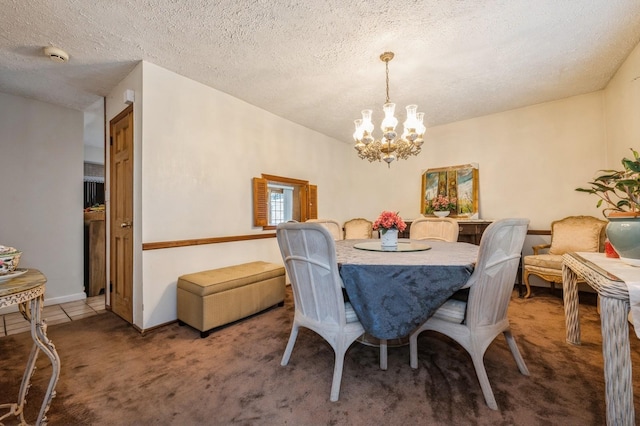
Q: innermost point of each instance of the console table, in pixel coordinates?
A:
(614, 310)
(27, 291)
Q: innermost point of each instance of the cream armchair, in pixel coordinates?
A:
(358, 228)
(332, 226)
(571, 234)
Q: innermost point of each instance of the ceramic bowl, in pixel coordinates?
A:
(442, 213)
(9, 262)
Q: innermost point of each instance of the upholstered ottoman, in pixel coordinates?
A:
(217, 297)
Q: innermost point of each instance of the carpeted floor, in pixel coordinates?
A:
(112, 375)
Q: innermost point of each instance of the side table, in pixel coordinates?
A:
(614, 309)
(27, 291)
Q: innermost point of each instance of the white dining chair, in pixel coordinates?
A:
(332, 226)
(435, 228)
(309, 256)
(474, 324)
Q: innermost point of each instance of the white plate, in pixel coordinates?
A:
(13, 274)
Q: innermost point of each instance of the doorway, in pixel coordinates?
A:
(94, 138)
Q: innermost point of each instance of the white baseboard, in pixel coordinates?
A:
(65, 299)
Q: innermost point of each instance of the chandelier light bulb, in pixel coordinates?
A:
(420, 129)
(411, 116)
(367, 127)
(357, 135)
(411, 124)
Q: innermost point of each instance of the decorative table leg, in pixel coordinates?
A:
(617, 361)
(571, 312)
(26, 383)
(39, 334)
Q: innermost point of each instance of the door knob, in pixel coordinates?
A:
(125, 225)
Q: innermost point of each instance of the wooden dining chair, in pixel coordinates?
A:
(309, 255)
(435, 228)
(474, 324)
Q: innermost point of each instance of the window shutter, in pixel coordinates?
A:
(260, 204)
(312, 191)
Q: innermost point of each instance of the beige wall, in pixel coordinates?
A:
(196, 151)
(41, 168)
(530, 159)
(622, 111)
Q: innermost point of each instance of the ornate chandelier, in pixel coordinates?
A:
(389, 148)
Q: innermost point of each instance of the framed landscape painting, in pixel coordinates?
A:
(459, 182)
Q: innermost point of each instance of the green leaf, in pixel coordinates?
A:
(631, 165)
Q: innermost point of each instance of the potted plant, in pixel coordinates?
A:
(619, 190)
(441, 205)
(389, 224)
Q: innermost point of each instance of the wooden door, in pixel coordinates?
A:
(121, 214)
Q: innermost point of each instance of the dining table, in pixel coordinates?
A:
(618, 287)
(393, 291)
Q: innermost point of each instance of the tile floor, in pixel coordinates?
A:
(15, 323)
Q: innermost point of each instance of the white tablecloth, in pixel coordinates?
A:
(627, 273)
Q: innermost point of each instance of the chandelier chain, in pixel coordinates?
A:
(387, 64)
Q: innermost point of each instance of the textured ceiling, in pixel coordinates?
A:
(316, 62)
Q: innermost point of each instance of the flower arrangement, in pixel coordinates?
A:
(441, 203)
(619, 189)
(389, 220)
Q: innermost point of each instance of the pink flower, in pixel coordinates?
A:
(443, 203)
(389, 220)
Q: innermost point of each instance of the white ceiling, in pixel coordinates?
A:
(316, 62)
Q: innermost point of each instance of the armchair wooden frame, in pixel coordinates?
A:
(553, 275)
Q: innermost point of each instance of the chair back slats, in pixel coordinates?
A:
(309, 257)
(495, 272)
